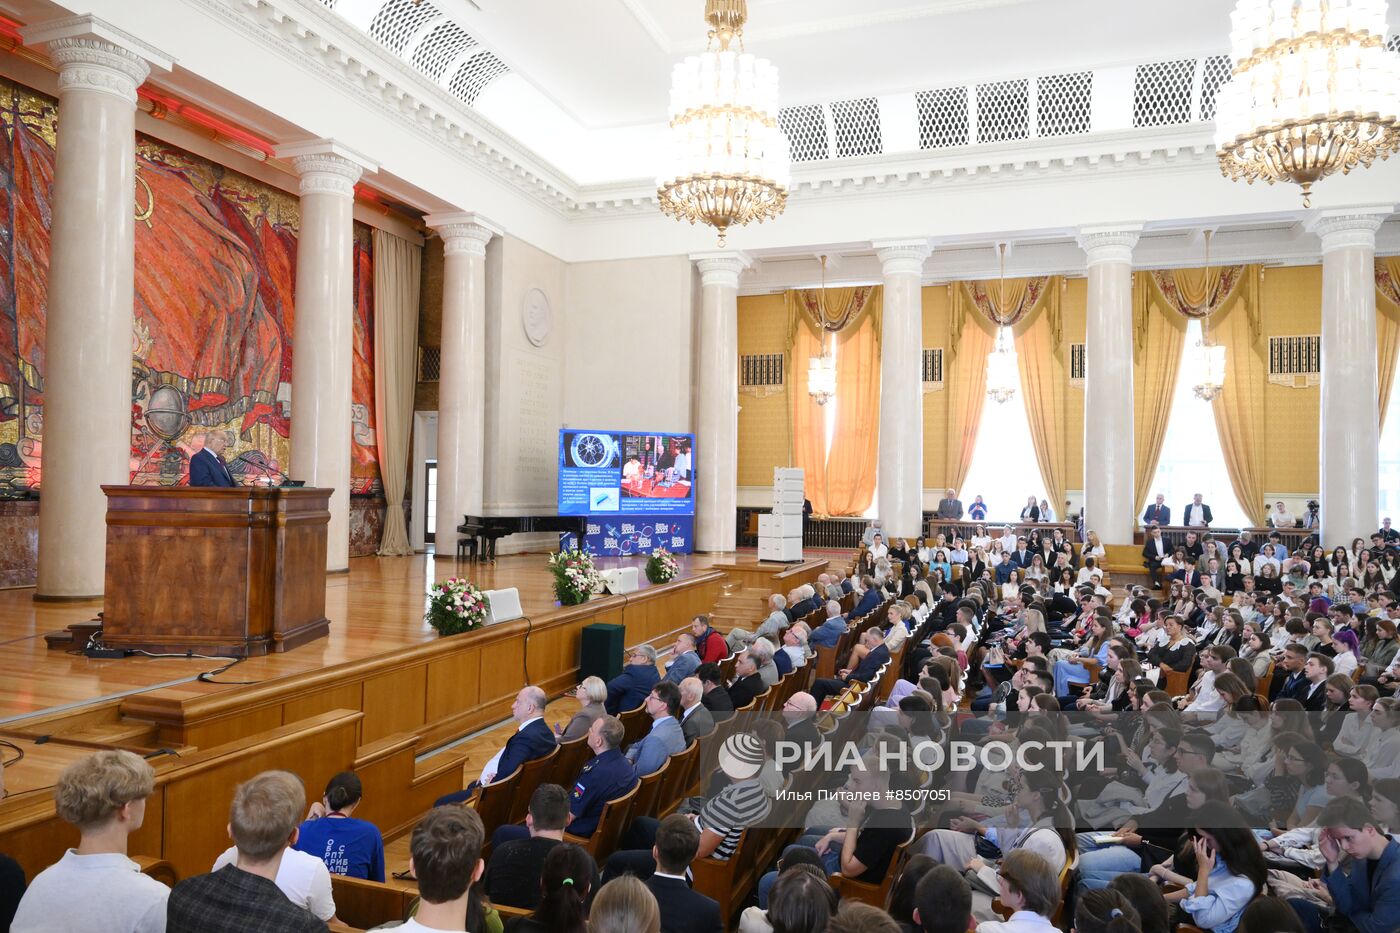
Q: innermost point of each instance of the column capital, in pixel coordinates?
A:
(463, 232)
(902, 257)
(1109, 244)
(1349, 226)
(93, 55)
(721, 269)
(325, 166)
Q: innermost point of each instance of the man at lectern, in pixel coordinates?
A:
(207, 467)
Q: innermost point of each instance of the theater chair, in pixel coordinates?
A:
(876, 895)
(649, 790)
(533, 773)
(614, 819)
(678, 778)
(570, 761)
(635, 723)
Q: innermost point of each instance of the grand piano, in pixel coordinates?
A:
(488, 529)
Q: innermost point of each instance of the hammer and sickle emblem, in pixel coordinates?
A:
(144, 214)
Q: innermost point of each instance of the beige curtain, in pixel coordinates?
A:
(396, 269)
(1387, 327)
(807, 419)
(1157, 339)
(971, 337)
(850, 469)
(1239, 408)
(1045, 384)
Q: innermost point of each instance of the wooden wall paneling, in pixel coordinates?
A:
(342, 696)
(394, 702)
(454, 684)
(237, 723)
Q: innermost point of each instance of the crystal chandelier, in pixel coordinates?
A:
(821, 370)
(1314, 91)
(727, 159)
(1003, 376)
(1208, 361)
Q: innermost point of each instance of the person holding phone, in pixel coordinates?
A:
(1230, 870)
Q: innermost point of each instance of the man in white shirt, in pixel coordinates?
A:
(878, 548)
(1280, 517)
(95, 886)
(445, 857)
(304, 878)
(1197, 513)
(1207, 701)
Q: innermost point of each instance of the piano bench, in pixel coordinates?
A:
(463, 545)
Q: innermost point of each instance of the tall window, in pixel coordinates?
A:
(1004, 471)
(1390, 459)
(1191, 459)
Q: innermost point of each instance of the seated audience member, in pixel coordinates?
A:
(606, 776)
(709, 644)
(95, 886)
(624, 905)
(532, 739)
(877, 655)
(11, 888)
(1105, 911)
(348, 846)
(1028, 885)
(445, 857)
(629, 690)
(942, 902)
(567, 879)
(682, 910)
(829, 633)
(1154, 914)
(1230, 869)
(1270, 915)
(304, 878)
(590, 695)
(762, 651)
(513, 872)
(243, 895)
(799, 718)
(795, 648)
(855, 917)
(696, 719)
(1365, 884)
(716, 696)
(748, 682)
(665, 739)
(801, 902)
(684, 659)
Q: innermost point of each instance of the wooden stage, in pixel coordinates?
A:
(382, 694)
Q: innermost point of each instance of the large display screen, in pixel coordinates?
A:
(626, 473)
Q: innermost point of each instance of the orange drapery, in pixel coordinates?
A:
(1239, 408)
(1157, 340)
(966, 376)
(1045, 384)
(844, 482)
(1387, 328)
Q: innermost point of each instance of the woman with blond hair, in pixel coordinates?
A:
(624, 905)
(591, 694)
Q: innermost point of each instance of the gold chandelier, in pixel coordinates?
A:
(821, 370)
(727, 159)
(1314, 91)
(1003, 375)
(1208, 360)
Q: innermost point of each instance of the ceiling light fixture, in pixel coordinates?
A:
(1003, 375)
(1208, 361)
(727, 159)
(1314, 91)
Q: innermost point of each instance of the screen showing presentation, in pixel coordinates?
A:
(626, 473)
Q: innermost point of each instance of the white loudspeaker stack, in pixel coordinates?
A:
(780, 533)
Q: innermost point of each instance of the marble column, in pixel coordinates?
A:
(717, 401)
(901, 470)
(461, 429)
(322, 342)
(1349, 435)
(1109, 475)
(87, 344)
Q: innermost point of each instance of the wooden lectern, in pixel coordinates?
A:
(234, 572)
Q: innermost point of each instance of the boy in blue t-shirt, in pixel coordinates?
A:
(348, 846)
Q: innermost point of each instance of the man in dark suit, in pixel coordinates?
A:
(716, 696)
(207, 467)
(869, 598)
(799, 715)
(1159, 512)
(748, 683)
(696, 718)
(1021, 557)
(532, 739)
(682, 910)
(874, 639)
(629, 689)
(1317, 668)
(1197, 513)
(1367, 892)
(1154, 551)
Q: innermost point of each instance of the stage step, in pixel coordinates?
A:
(128, 733)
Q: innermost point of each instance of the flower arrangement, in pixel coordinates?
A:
(575, 576)
(455, 606)
(662, 566)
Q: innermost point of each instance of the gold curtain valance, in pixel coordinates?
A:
(844, 308)
(1184, 291)
(984, 298)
